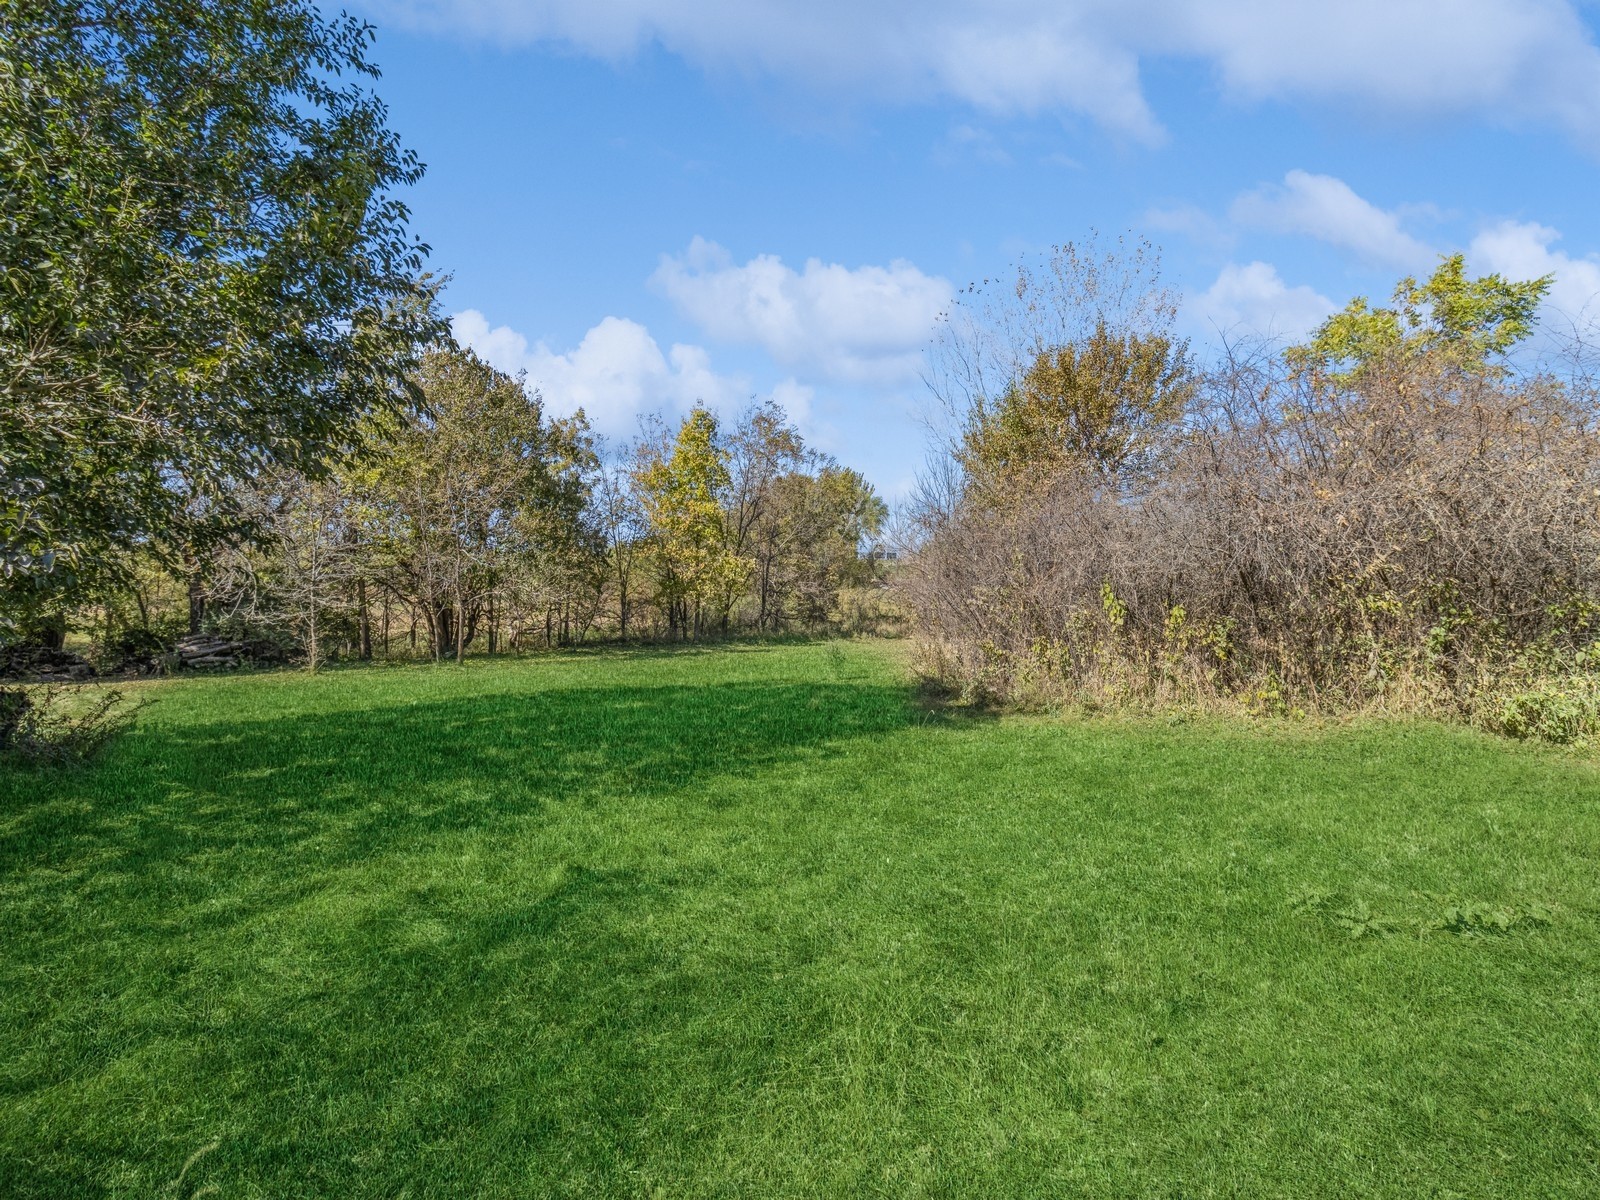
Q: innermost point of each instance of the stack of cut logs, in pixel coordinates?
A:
(203, 652)
(41, 664)
(207, 652)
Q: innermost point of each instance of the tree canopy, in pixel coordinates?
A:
(1096, 405)
(1072, 366)
(205, 269)
(683, 492)
(1463, 321)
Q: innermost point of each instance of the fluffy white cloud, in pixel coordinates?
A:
(866, 325)
(1253, 300)
(1507, 60)
(616, 373)
(1522, 250)
(1326, 208)
(1005, 57)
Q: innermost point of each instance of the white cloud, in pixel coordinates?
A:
(1326, 208)
(1522, 250)
(616, 373)
(866, 325)
(1504, 60)
(1523, 58)
(1253, 300)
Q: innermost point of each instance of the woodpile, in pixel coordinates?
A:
(197, 652)
(202, 652)
(206, 652)
(41, 664)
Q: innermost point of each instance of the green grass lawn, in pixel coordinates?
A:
(750, 922)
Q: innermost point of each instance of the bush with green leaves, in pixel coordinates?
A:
(57, 725)
(1562, 709)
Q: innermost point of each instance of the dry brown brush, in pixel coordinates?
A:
(1422, 538)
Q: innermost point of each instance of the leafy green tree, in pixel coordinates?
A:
(809, 543)
(763, 450)
(478, 491)
(1100, 405)
(683, 490)
(1460, 321)
(1070, 367)
(619, 519)
(562, 565)
(205, 270)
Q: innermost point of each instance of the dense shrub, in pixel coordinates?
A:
(60, 725)
(1563, 709)
(1419, 534)
(1304, 543)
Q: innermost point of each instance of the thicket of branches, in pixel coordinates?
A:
(1392, 515)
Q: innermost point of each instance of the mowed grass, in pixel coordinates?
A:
(751, 922)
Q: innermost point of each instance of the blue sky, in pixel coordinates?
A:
(649, 203)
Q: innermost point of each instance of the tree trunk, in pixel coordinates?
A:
(364, 619)
(312, 648)
(197, 593)
(461, 628)
(766, 591)
(443, 641)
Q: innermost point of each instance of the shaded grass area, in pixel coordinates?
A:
(750, 923)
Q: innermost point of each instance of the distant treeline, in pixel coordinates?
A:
(477, 522)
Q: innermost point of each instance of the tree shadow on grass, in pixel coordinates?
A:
(340, 787)
(168, 986)
(566, 1038)
(556, 1043)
